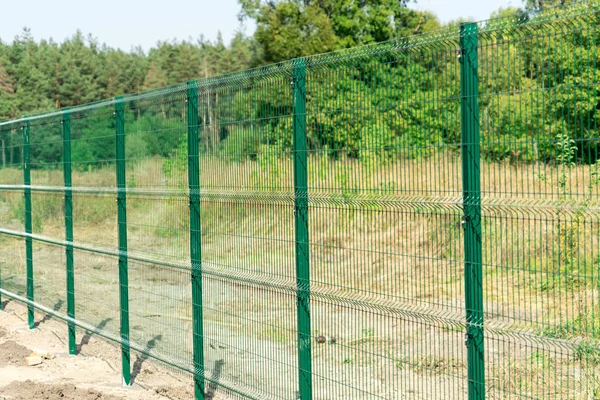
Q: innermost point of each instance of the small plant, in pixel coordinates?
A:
(585, 324)
(588, 352)
(569, 223)
(541, 359)
(275, 335)
(268, 174)
(431, 365)
(323, 164)
(454, 327)
(387, 188)
(368, 333)
(131, 182)
(175, 166)
(377, 144)
(567, 230)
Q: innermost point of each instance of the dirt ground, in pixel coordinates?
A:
(94, 374)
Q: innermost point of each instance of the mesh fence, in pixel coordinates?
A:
(413, 219)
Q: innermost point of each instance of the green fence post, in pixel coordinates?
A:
(66, 131)
(28, 222)
(472, 209)
(195, 237)
(301, 224)
(1, 307)
(122, 221)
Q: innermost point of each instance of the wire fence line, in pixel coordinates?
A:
(413, 219)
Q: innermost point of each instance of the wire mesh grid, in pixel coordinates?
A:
(413, 219)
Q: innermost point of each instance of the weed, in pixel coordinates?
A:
(588, 352)
(453, 327)
(275, 335)
(368, 333)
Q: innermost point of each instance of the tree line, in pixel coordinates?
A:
(43, 75)
(396, 105)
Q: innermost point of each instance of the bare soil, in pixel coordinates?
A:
(12, 353)
(94, 374)
(31, 390)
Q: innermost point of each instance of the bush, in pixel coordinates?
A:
(242, 143)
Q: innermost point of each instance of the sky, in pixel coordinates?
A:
(126, 24)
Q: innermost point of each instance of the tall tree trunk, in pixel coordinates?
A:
(205, 125)
(210, 118)
(57, 86)
(216, 129)
(3, 153)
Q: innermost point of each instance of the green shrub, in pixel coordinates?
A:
(242, 143)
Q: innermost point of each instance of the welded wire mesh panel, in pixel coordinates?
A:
(246, 206)
(158, 227)
(250, 337)
(161, 313)
(94, 218)
(97, 291)
(13, 266)
(49, 276)
(156, 140)
(47, 199)
(94, 177)
(538, 107)
(46, 149)
(93, 146)
(385, 235)
(47, 211)
(416, 219)
(157, 177)
(94, 221)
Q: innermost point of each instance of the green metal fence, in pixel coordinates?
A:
(415, 219)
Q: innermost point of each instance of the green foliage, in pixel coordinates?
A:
(241, 144)
(288, 28)
(568, 228)
(539, 5)
(588, 352)
(279, 135)
(176, 164)
(269, 170)
(387, 98)
(136, 147)
(93, 142)
(378, 144)
(585, 325)
(159, 137)
(570, 214)
(40, 76)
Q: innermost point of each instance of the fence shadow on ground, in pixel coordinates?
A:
(85, 340)
(48, 317)
(137, 366)
(211, 390)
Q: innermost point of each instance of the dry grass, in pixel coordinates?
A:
(388, 236)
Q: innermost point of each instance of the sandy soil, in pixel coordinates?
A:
(94, 374)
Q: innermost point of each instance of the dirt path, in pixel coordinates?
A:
(94, 374)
